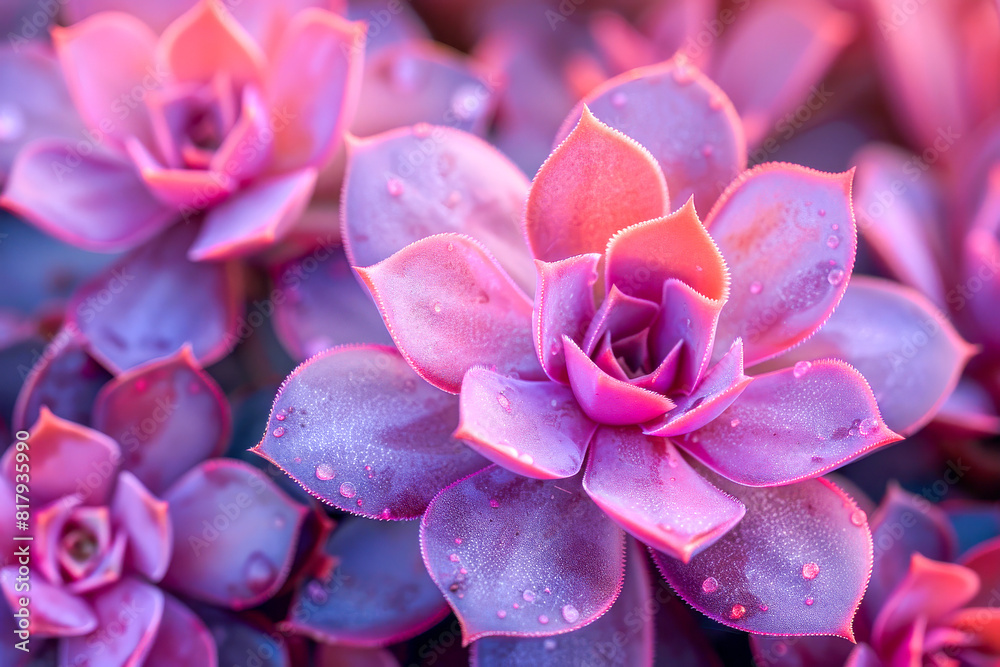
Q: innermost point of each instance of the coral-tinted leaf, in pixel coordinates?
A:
(320, 52)
(904, 524)
(772, 59)
(718, 389)
(564, 306)
(222, 555)
(647, 488)
(156, 15)
(182, 639)
(904, 346)
(129, 614)
(254, 218)
(54, 612)
(418, 80)
(361, 431)
(65, 379)
(532, 428)
(379, 592)
(597, 182)
(186, 190)
(67, 459)
(931, 589)
(305, 290)
(642, 257)
(521, 557)
(797, 563)
(793, 424)
(103, 204)
(685, 121)
(246, 150)
(984, 560)
(144, 519)
(104, 58)
(459, 183)
(788, 235)
(168, 415)
(607, 399)
(449, 306)
(207, 40)
(895, 221)
(154, 301)
(599, 643)
(690, 319)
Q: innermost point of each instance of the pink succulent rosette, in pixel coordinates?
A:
(219, 116)
(131, 518)
(926, 605)
(617, 400)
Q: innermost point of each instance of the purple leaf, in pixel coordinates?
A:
(357, 428)
(564, 306)
(516, 556)
(182, 639)
(648, 489)
(129, 614)
(449, 306)
(379, 592)
(535, 429)
(797, 563)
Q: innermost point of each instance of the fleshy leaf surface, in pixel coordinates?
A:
(564, 306)
(378, 593)
(144, 519)
(797, 563)
(648, 489)
(522, 557)
(182, 639)
(449, 306)
(596, 644)
(685, 121)
(122, 637)
(789, 238)
(597, 182)
(154, 301)
(361, 431)
(905, 347)
(792, 424)
(535, 429)
(410, 183)
(222, 555)
(167, 415)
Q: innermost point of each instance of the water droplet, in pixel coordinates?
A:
(549, 644)
(710, 585)
(259, 573)
(756, 287)
(543, 619)
(360, 502)
(619, 99)
(833, 241)
(280, 417)
(516, 606)
(737, 612)
(835, 226)
(494, 503)
(437, 307)
(707, 150)
(528, 596)
(858, 517)
(504, 402)
(570, 613)
(278, 432)
(554, 403)
(347, 490)
(454, 558)
(501, 614)
(835, 277)
(547, 591)
(869, 425)
(809, 602)
(394, 187)
(821, 213)
(810, 571)
(763, 607)
(734, 423)
(325, 472)
(801, 368)
(458, 540)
